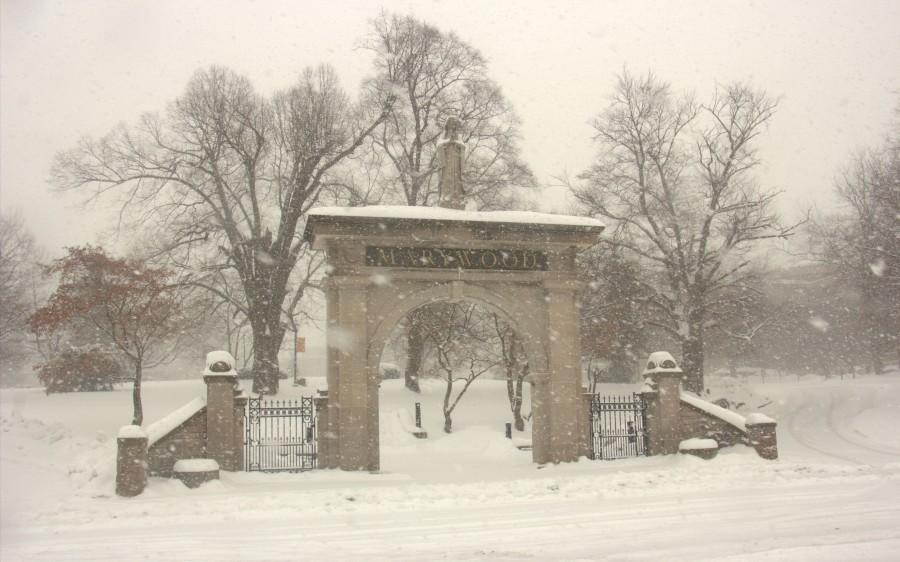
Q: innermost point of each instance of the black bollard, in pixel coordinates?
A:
(419, 415)
(508, 430)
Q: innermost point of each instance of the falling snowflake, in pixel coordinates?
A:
(819, 323)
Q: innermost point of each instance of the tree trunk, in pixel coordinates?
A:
(138, 417)
(692, 354)
(448, 423)
(415, 350)
(265, 360)
(517, 410)
(875, 360)
(514, 378)
(621, 366)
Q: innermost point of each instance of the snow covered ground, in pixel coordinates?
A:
(833, 495)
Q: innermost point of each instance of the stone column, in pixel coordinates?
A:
(540, 425)
(565, 372)
(323, 456)
(353, 398)
(667, 413)
(328, 420)
(240, 408)
(220, 420)
(587, 421)
(131, 461)
(655, 442)
(762, 436)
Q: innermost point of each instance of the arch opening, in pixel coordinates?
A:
(473, 382)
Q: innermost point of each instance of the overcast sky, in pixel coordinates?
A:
(79, 67)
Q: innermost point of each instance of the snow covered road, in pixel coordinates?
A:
(841, 518)
(841, 421)
(833, 495)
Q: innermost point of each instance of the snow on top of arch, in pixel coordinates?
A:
(441, 213)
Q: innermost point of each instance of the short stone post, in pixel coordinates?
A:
(586, 429)
(669, 409)
(663, 397)
(221, 421)
(762, 436)
(131, 461)
(650, 398)
(240, 407)
(324, 440)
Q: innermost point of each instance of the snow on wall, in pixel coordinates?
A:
(132, 432)
(757, 418)
(160, 428)
(719, 412)
(440, 213)
(185, 440)
(196, 465)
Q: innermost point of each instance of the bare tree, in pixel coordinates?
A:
(861, 244)
(515, 366)
(433, 75)
(613, 304)
(461, 337)
(17, 259)
(228, 177)
(674, 178)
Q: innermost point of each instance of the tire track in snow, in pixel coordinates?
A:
(817, 425)
(796, 432)
(835, 429)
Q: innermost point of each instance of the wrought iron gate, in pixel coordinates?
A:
(618, 427)
(280, 435)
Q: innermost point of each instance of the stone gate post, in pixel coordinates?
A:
(352, 414)
(663, 403)
(586, 423)
(762, 436)
(131, 461)
(223, 436)
(562, 396)
(666, 410)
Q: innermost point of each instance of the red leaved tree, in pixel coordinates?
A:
(127, 303)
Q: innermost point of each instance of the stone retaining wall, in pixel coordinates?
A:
(187, 441)
(694, 422)
(202, 429)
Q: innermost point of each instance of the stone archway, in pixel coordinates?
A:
(391, 306)
(386, 261)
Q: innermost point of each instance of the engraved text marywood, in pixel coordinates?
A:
(456, 258)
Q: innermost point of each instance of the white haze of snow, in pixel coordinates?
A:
(340, 339)
(833, 495)
(380, 279)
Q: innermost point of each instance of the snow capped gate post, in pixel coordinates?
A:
(663, 400)
(762, 437)
(223, 434)
(131, 461)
